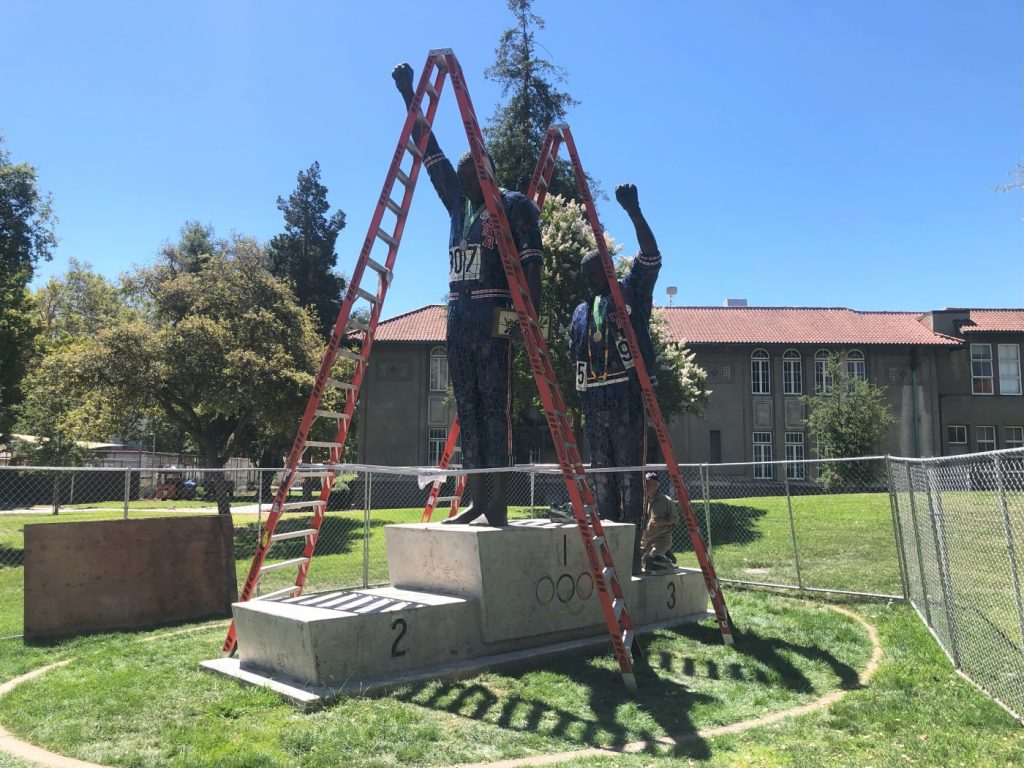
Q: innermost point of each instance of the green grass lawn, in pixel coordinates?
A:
(843, 541)
(140, 700)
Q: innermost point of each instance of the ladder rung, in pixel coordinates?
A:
(350, 355)
(401, 177)
(322, 444)
(598, 541)
(370, 297)
(343, 385)
(379, 268)
(413, 149)
(284, 564)
(606, 574)
(430, 90)
(627, 638)
(387, 238)
(293, 534)
(330, 414)
(392, 206)
(422, 119)
(293, 590)
(442, 499)
(301, 504)
(356, 325)
(617, 605)
(312, 473)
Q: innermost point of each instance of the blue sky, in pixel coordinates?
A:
(791, 153)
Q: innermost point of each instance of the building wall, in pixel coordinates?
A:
(927, 389)
(397, 408)
(961, 407)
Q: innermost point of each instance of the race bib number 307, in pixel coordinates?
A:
(463, 263)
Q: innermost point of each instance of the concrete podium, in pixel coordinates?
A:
(462, 598)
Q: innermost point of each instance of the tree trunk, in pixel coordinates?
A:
(218, 485)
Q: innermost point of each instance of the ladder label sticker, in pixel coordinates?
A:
(463, 263)
(581, 376)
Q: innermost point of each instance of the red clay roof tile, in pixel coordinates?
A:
(755, 325)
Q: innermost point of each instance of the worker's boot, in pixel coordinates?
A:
(476, 487)
(497, 507)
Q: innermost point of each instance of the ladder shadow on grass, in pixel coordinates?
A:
(661, 695)
(597, 724)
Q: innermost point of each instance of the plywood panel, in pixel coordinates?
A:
(124, 574)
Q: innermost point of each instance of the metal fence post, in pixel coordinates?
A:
(127, 490)
(367, 490)
(533, 490)
(792, 526)
(1011, 548)
(942, 558)
(706, 490)
(917, 542)
(897, 529)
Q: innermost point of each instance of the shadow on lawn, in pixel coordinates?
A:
(11, 557)
(730, 524)
(664, 700)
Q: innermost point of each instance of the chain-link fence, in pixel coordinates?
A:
(960, 523)
(802, 525)
(946, 533)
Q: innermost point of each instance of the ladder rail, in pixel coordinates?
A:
(625, 327)
(431, 85)
(435, 487)
(619, 622)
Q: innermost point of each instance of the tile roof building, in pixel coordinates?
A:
(952, 379)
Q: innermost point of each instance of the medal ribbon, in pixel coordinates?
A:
(599, 314)
(469, 219)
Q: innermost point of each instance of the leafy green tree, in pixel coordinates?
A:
(850, 419)
(61, 408)
(26, 238)
(304, 253)
(682, 384)
(219, 351)
(534, 103)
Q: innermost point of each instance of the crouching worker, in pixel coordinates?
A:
(662, 514)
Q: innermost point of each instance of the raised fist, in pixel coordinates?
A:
(402, 75)
(627, 197)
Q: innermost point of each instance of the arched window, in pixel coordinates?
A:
(822, 379)
(760, 373)
(438, 370)
(855, 367)
(792, 373)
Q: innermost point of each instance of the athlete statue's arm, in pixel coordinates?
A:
(442, 173)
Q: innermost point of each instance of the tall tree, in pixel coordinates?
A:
(26, 238)
(219, 351)
(58, 411)
(850, 419)
(304, 253)
(534, 103)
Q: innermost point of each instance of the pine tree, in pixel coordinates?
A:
(534, 103)
(304, 253)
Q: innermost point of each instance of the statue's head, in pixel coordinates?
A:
(593, 272)
(468, 180)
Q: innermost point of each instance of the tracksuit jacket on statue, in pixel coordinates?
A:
(609, 390)
(479, 363)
